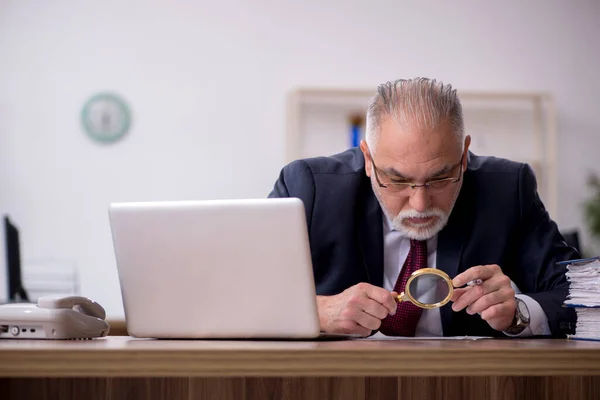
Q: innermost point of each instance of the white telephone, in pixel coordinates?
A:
(53, 317)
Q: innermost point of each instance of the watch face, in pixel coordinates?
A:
(523, 310)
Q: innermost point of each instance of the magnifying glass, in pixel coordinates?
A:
(429, 288)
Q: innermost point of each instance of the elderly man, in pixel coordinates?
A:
(413, 196)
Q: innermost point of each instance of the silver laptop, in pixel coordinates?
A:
(237, 269)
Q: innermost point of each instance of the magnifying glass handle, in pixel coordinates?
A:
(400, 298)
(475, 282)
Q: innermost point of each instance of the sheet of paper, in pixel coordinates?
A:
(381, 336)
(584, 284)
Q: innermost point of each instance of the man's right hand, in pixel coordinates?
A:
(357, 310)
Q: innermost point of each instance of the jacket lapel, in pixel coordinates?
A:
(370, 235)
(451, 241)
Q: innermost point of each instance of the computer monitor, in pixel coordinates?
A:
(3, 268)
(12, 262)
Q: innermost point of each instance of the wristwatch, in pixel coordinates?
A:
(521, 320)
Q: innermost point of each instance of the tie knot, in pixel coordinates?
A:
(419, 247)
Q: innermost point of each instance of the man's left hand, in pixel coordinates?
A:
(494, 299)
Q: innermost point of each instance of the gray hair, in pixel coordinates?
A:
(419, 102)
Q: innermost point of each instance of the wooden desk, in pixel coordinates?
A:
(127, 368)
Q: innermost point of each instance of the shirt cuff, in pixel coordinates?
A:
(538, 321)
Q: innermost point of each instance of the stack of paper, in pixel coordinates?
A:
(584, 296)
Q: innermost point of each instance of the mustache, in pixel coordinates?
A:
(434, 212)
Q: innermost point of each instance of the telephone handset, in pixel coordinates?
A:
(78, 303)
(53, 317)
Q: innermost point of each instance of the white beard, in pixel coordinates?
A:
(422, 231)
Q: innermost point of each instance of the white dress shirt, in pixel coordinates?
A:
(395, 252)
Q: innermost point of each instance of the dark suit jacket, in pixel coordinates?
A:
(498, 219)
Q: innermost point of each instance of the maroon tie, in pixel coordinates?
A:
(404, 322)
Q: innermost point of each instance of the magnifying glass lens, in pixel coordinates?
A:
(429, 289)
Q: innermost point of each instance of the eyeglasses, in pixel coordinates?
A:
(397, 188)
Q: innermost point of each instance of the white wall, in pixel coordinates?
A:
(207, 84)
